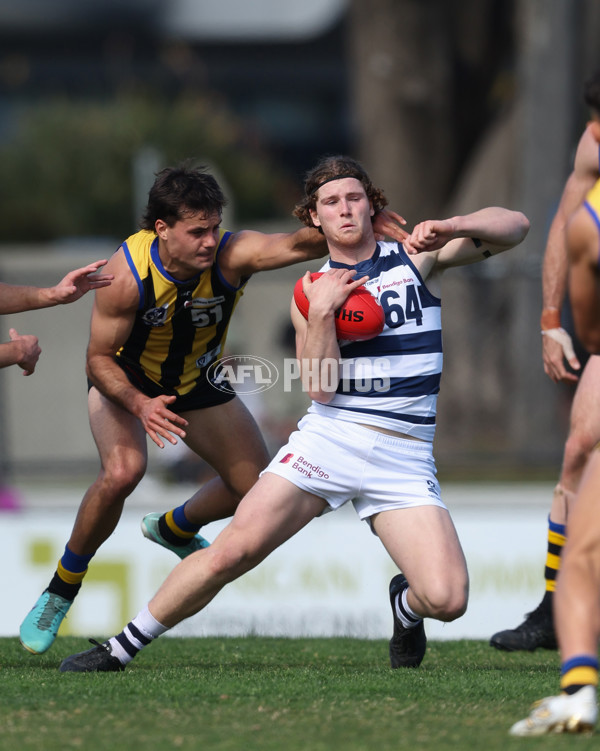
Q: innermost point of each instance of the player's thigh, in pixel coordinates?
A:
(583, 540)
(423, 543)
(269, 514)
(585, 410)
(228, 438)
(119, 436)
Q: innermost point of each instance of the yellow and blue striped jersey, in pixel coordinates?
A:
(592, 204)
(180, 327)
(592, 200)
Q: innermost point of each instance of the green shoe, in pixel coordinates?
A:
(151, 531)
(38, 630)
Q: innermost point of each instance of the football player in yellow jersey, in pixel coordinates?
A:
(154, 334)
(537, 629)
(577, 597)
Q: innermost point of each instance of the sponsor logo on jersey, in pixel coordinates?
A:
(208, 357)
(156, 316)
(206, 302)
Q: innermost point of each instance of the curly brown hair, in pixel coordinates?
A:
(335, 168)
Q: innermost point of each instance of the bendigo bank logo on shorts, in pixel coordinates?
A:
(242, 374)
(305, 468)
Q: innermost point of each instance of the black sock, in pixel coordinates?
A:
(59, 587)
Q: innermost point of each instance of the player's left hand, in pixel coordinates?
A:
(76, 283)
(430, 235)
(387, 223)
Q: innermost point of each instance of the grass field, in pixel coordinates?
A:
(271, 694)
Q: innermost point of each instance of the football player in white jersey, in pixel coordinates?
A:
(375, 449)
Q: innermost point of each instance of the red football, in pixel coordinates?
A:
(360, 317)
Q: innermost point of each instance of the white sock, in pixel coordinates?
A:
(136, 635)
(408, 617)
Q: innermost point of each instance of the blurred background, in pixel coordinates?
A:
(450, 104)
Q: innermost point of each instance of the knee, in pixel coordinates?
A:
(446, 603)
(240, 485)
(577, 449)
(121, 477)
(229, 561)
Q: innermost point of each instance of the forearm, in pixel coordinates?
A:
(555, 267)
(248, 251)
(494, 226)
(320, 359)
(307, 243)
(17, 298)
(111, 382)
(10, 354)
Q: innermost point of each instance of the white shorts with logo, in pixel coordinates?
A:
(342, 461)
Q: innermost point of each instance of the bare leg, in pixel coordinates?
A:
(424, 545)
(272, 512)
(584, 434)
(537, 630)
(228, 438)
(577, 620)
(121, 442)
(577, 598)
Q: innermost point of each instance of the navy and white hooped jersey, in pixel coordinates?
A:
(393, 380)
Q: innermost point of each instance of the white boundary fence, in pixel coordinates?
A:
(331, 579)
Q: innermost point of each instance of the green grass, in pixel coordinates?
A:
(276, 695)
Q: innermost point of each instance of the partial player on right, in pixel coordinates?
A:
(537, 630)
(577, 598)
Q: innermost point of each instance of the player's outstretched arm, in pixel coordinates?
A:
(248, 251)
(18, 298)
(76, 283)
(467, 239)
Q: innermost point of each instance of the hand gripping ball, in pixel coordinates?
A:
(361, 316)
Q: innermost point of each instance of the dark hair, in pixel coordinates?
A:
(182, 190)
(591, 92)
(335, 168)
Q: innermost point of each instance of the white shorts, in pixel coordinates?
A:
(342, 461)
